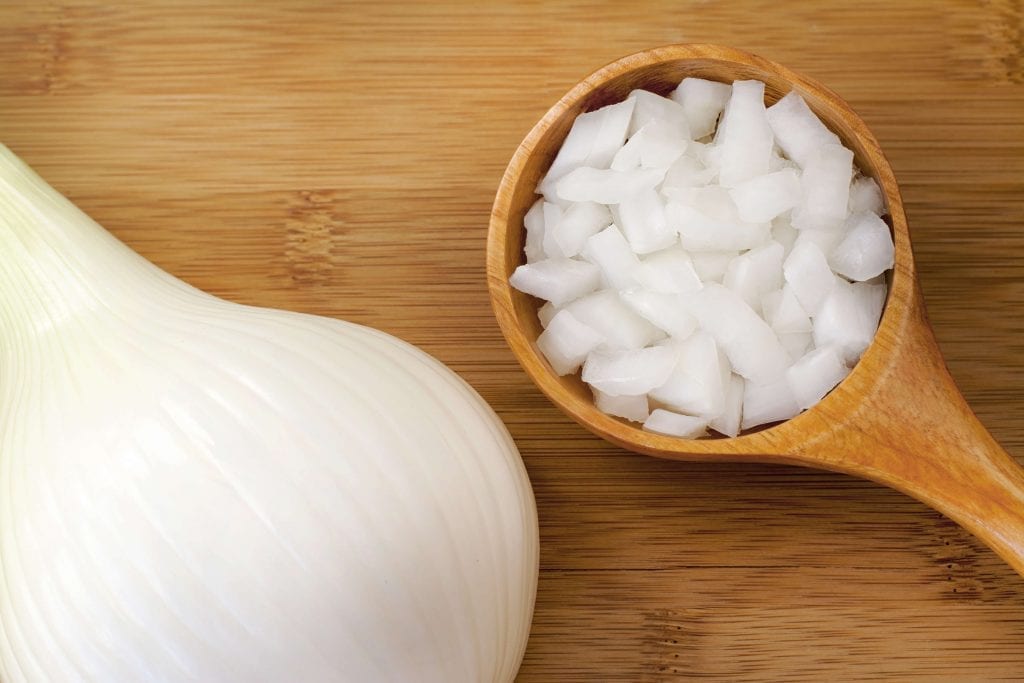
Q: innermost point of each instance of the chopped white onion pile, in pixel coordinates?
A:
(706, 276)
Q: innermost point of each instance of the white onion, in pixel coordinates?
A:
(811, 377)
(796, 343)
(825, 182)
(606, 186)
(565, 342)
(703, 101)
(620, 326)
(534, 224)
(697, 383)
(557, 280)
(767, 403)
(578, 223)
(610, 252)
(866, 196)
(656, 145)
(764, 197)
(195, 490)
(755, 273)
(784, 313)
(807, 273)
(674, 424)
(629, 372)
(630, 407)
(644, 222)
(797, 130)
(651, 109)
(744, 139)
(669, 270)
(866, 251)
(665, 310)
(728, 419)
(733, 245)
(594, 139)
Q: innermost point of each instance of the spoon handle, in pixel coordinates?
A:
(987, 496)
(958, 469)
(910, 428)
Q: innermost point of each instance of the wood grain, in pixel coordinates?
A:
(342, 158)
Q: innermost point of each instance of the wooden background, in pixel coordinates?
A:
(341, 158)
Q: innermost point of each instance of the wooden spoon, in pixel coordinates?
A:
(897, 419)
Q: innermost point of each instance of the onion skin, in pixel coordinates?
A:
(195, 490)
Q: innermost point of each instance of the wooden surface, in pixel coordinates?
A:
(341, 159)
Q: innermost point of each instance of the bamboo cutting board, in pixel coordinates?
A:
(341, 158)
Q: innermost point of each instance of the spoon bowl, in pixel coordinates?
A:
(897, 419)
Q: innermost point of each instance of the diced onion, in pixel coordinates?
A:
(709, 262)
